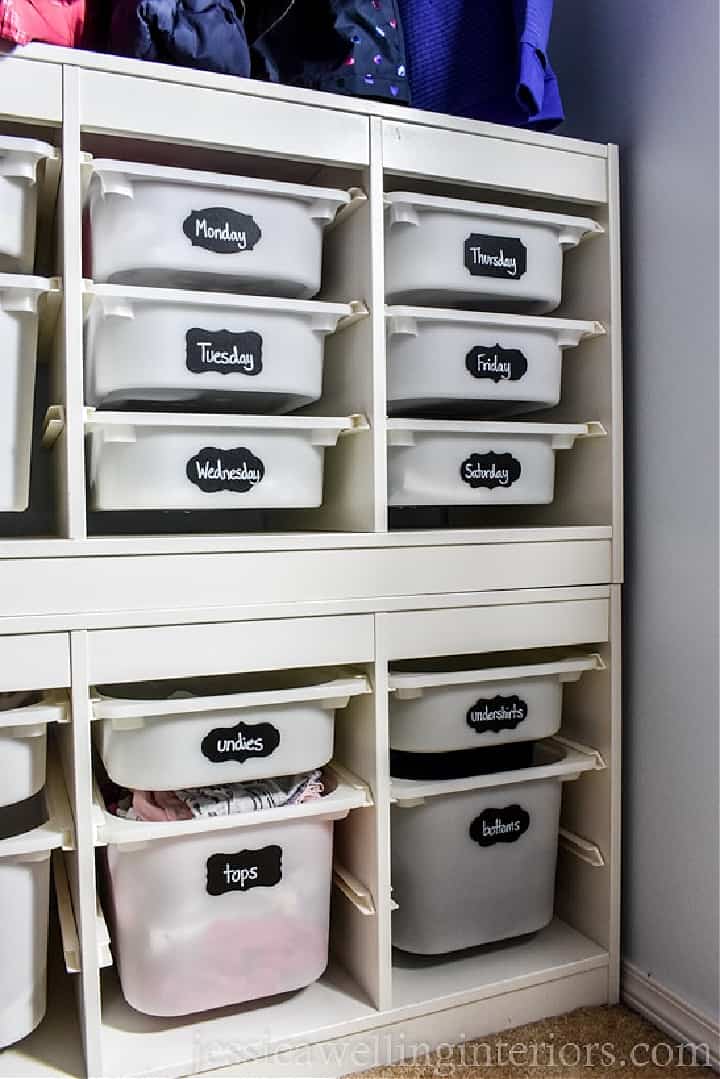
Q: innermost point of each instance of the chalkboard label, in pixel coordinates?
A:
(223, 352)
(214, 470)
(222, 230)
(497, 714)
(496, 363)
(500, 826)
(490, 470)
(504, 257)
(241, 743)
(240, 872)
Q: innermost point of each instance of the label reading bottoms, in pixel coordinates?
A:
(490, 470)
(497, 714)
(243, 871)
(222, 351)
(496, 363)
(215, 470)
(495, 256)
(241, 743)
(500, 825)
(221, 230)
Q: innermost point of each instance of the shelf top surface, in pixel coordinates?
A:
(100, 62)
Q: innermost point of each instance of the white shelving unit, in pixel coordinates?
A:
(92, 598)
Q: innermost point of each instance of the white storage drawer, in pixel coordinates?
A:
(223, 911)
(144, 461)
(19, 301)
(439, 707)
(453, 252)
(23, 738)
(151, 225)
(156, 737)
(19, 161)
(24, 900)
(459, 363)
(164, 346)
(473, 861)
(457, 463)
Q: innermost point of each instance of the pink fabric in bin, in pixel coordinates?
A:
(55, 22)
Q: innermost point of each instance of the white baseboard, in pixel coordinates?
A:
(669, 1013)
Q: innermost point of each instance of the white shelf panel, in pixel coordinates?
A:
(34, 661)
(434, 983)
(30, 90)
(222, 582)
(509, 165)
(284, 541)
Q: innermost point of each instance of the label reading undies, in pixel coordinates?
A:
(245, 741)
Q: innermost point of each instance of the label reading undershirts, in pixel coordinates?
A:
(241, 743)
(497, 714)
(504, 257)
(222, 230)
(490, 470)
(500, 825)
(223, 352)
(215, 470)
(496, 363)
(245, 870)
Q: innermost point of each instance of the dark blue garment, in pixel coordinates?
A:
(204, 34)
(341, 46)
(483, 59)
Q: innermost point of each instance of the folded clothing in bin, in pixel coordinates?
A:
(217, 801)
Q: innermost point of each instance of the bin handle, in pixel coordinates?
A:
(353, 889)
(400, 213)
(114, 183)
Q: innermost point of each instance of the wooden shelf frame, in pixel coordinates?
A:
(77, 609)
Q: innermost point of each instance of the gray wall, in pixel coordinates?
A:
(643, 73)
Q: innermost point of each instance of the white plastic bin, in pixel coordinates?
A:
(444, 706)
(19, 301)
(225, 910)
(152, 225)
(159, 737)
(451, 252)
(24, 900)
(464, 463)
(142, 461)
(19, 162)
(473, 860)
(23, 737)
(164, 346)
(458, 363)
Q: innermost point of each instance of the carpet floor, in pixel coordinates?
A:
(615, 1043)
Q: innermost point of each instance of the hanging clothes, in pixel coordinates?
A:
(204, 34)
(54, 22)
(340, 46)
(482, 59)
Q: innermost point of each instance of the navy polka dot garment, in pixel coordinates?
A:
(343, 46)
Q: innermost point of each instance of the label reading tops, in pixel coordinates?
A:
(490, 470)
(496, 363)
(240, 743)
(495, 256)
(222, 351)
(215, 470)
(500, 826)
(222, 230)
(243, 871)
(497, 714)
